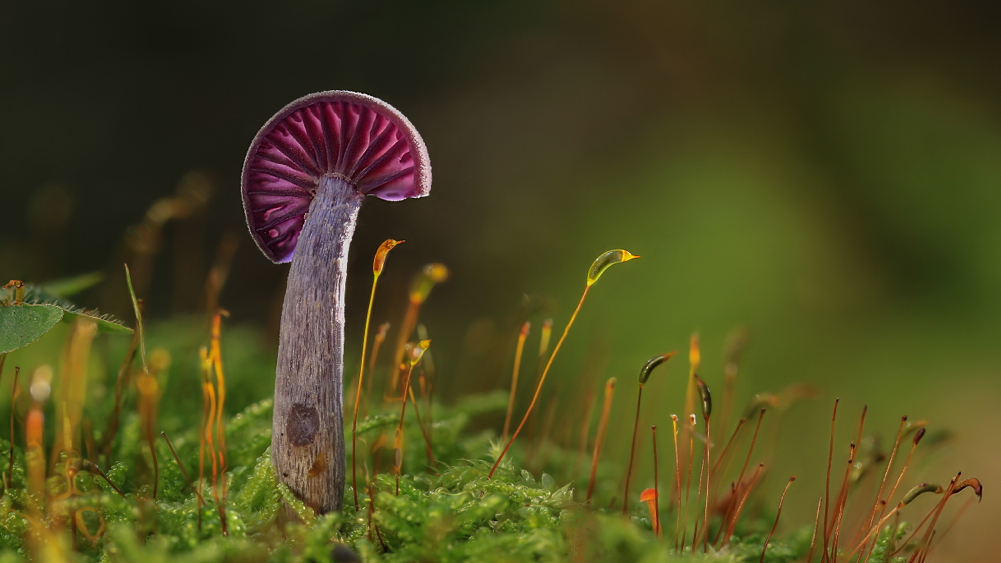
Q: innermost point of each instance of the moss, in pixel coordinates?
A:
(454, 514)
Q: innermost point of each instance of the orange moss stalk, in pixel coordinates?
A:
(543, 437)
(740, 507)
(180, 465)
(148, 386)
(816, 526)
(914, 444)
(971, 482)
(424, 281)
(955, 486)
(723, 530)
(694, 361)
(371, 513)
(522, 335)
(42, 541)
(212, 435)
(707, 408)
(843, 496)
(545, 336)
(599, 440)
(72, 389)
(645, 372)
(67, 466)
(908, 498)
(656, 488)
(585, 427)
(677, 477)
(827, 486)
(121, 383)
(886, 473)
(736, 343)
(208, 413)
(688, 481)
(378, 264)
(219, 271)
(220, 382)
(427, 364)
(959, 514)
(34, 427)
(427, 439)
(380, 337)
(414, 357)
(778, 513)
(740, 480)
(922, 552)
(726, 449)
(599, 266)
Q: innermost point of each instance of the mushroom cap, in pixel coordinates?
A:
(355, 137)
(648, 495)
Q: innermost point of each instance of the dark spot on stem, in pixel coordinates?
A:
(302, 424)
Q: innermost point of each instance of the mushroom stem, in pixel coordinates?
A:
(308, 439)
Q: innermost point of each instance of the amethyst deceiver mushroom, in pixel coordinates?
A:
(304, 180)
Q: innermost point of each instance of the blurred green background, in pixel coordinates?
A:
(827, 175)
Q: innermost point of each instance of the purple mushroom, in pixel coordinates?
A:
(304, 180)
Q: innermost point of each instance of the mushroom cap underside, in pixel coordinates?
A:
(355, 137)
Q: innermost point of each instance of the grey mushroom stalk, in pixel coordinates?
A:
(304, 179)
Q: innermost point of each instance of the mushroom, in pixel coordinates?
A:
(304, 179)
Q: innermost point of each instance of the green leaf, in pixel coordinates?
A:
(52, 295)
(104, 322)
(24, 324)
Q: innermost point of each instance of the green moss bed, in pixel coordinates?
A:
(106, 495)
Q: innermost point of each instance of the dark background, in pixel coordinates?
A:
(827, 175)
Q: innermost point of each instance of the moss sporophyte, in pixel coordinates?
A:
(85, 479)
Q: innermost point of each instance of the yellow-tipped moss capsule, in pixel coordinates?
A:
(652, 363)
(547, 331)
(694, 353)
(380, 255)
(604, 261)
(920, 490)
(425, 280)
(597, 268)
(417, 352)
